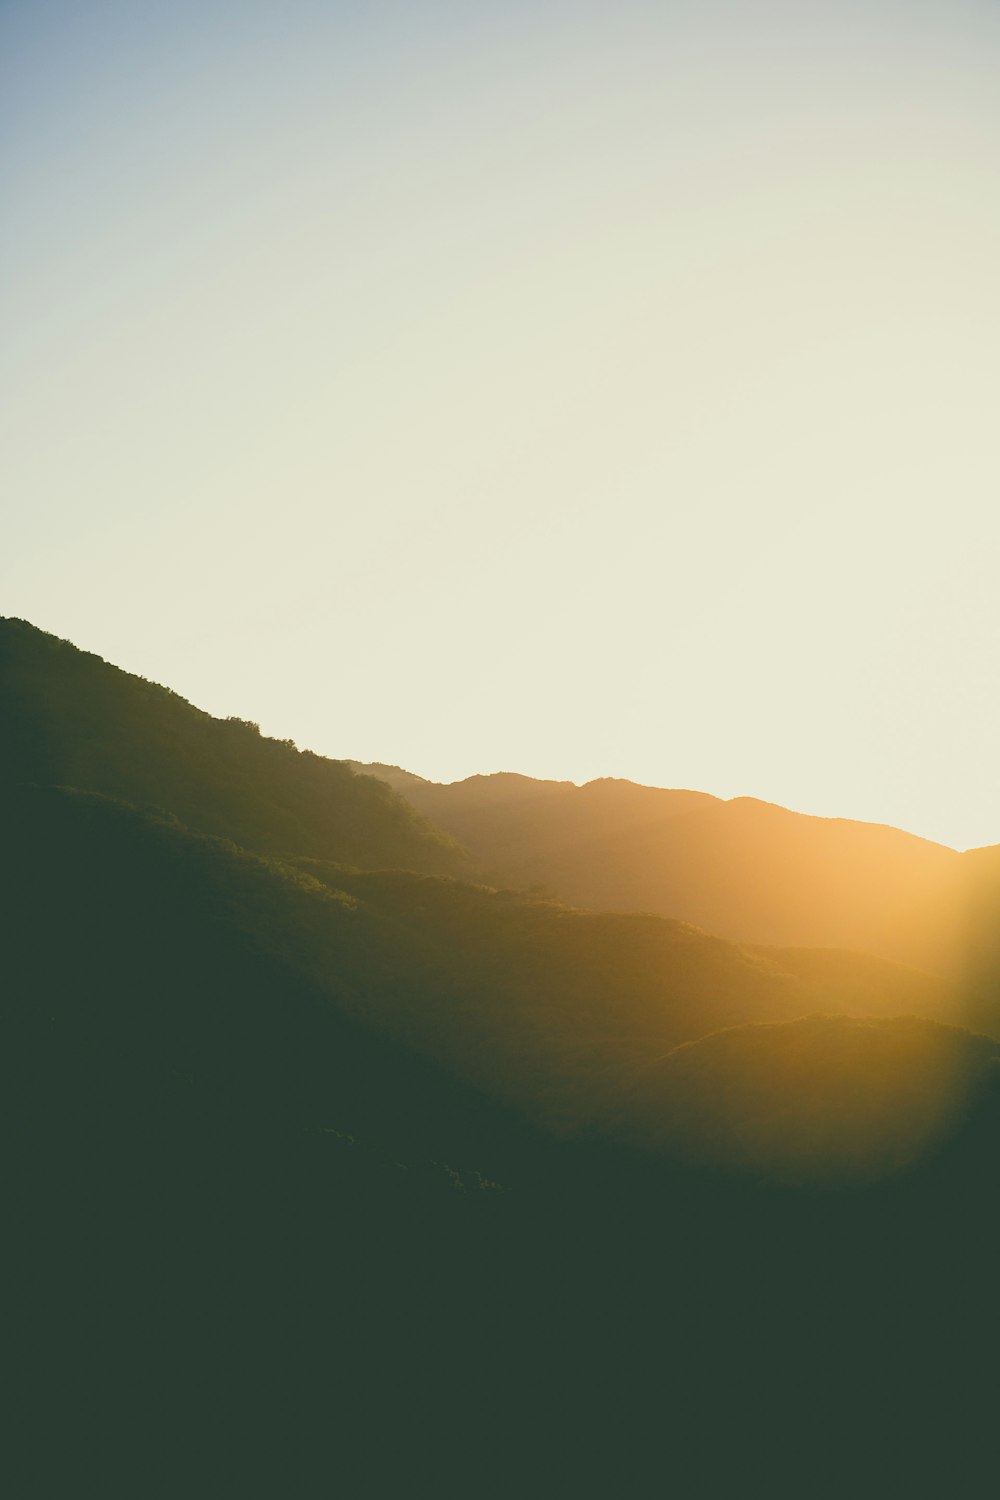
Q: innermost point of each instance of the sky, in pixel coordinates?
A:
(576, 389)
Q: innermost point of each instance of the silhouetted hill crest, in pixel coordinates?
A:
(71, 719)
(751, 871)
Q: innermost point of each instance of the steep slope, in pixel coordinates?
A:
(744, 869)
(68, 718)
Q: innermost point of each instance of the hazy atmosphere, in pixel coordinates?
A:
(498, 745)
(563, 388)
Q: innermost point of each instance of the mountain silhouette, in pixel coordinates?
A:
(317, 1120)
(547, 1010)
(67, 718)
(743, 869)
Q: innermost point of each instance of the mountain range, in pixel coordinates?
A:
(310, 1068)
(743, 869)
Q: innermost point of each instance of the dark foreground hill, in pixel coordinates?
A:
(273, 1246)
(366, 1181)
(744, 869)
(67, 718)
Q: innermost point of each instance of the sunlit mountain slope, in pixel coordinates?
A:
(744, 869)
(556, 1010)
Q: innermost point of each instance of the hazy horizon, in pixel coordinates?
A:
(530, 387)
(276, 732)
(656, 786)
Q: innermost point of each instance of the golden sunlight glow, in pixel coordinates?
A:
(563, 388)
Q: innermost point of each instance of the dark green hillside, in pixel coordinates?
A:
(413, 1172)
(245, 1208)
(180, 972)
(251, 1214)
(67, 718)
(238, 1202)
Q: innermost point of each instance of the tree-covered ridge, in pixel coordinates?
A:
(71, 719)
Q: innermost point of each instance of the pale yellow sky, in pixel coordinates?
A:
(562, 388)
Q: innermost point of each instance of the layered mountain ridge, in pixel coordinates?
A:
(744, 869)
(318, 1114)
(551, 1010)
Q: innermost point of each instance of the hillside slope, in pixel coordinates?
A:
(392, 1153)
(556, 1010)
(242, 1201)
(169, 975)
(507, 817)
(68, 718)
(553, 1013)
(550, 1010)
(747, 870)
